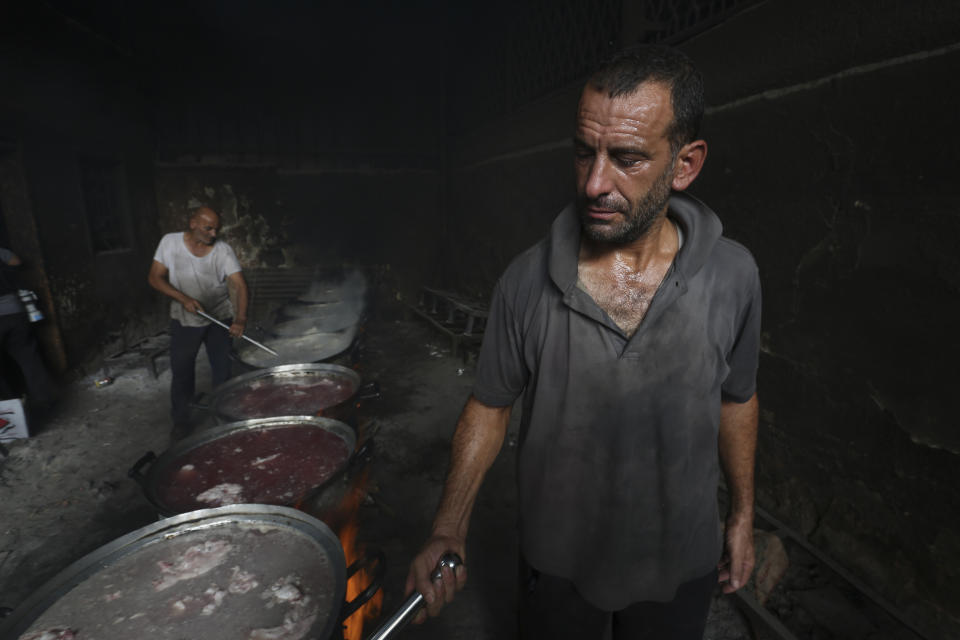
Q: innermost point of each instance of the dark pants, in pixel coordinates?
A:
(551, 608)
(16, 338)
(184, 344)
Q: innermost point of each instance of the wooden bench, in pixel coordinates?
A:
(145, 353)
(458, 317)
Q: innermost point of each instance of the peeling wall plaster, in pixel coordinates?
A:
(250, 223)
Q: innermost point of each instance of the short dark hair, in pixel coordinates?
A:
(622, 73)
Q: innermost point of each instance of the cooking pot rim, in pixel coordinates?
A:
(218, 395)
(151, 480)
(290, 370)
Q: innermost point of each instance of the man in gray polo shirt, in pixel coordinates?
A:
(632, 331)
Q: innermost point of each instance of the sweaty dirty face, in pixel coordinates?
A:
(623, 161)
(205, 226)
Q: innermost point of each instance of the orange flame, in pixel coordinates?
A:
(346, 522)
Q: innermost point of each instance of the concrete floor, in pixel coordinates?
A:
(65, 491)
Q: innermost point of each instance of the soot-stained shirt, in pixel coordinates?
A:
(618, 464)
(202, 278)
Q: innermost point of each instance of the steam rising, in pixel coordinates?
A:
(321, 323)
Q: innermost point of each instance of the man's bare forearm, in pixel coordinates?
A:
(161, 284)
(170, 291)
(478, 438)
(476, 443)
(737, 447)
(239, 297)
(158, 278)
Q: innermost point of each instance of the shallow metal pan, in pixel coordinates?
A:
(278, 461)
(326, 323)
(315, 347)
(301, 309)
(318, 388)
(216, 574)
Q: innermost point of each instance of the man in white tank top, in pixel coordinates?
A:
(198, 274)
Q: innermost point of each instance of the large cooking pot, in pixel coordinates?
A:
(352, 287)
(277, 461)
(331, 294)
(303, 309)
(240, 571)
(314, 347)
(291, 390)
(334, 321)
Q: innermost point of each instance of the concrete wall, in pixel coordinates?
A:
(831, 158)
(68, 96)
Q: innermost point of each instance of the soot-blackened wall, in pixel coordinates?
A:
(831, 152)
(836, 174)
(77, 183)
(280, 218)
(324, 153)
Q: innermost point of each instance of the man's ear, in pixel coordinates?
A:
(689, 161)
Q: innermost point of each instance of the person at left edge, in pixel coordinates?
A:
(18, 341)
(198, 273)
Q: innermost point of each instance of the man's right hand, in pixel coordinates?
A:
(436, 593)
(480, 432)
(191, 305)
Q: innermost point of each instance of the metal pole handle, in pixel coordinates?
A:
(406, 613)
(248, 339)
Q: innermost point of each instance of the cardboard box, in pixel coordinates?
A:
(13, 423)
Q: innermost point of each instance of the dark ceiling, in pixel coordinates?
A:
(315, 41)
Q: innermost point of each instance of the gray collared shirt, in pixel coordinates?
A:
(618, 464)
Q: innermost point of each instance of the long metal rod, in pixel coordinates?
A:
(248, 339)
(759, 612)
(399, 619)
(834, 566)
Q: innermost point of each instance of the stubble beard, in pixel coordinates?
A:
(636, 223)
(206, 241)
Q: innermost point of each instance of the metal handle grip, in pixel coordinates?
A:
(406, 613)
(135, 470)
(369, 391)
